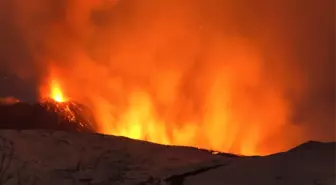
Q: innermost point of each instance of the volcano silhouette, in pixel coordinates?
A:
(25, 116)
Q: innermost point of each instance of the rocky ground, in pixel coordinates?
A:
(41, 157)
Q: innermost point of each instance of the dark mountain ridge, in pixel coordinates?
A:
(43, 115)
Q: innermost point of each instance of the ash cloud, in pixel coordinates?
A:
(284, 49)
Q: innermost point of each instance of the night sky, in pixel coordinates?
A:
(309, 25)
(14, 57)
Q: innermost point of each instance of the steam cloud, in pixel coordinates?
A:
(268, 65)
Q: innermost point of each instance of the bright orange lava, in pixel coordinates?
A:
(56, 92)
(53, 99)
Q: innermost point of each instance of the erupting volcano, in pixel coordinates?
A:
(204, 74)
(167, 92)
(141, 120)
(54, 100)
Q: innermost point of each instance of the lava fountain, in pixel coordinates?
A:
(54, 100)
(56, 92)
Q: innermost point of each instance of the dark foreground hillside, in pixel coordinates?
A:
(40, 157)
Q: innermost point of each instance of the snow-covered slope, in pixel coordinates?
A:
(40, 157)
(50, 157)
(312, 163)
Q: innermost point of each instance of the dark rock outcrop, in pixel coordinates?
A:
(25, 116)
